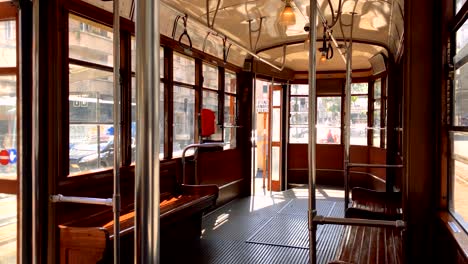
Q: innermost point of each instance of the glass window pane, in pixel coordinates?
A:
(90, 41)
(459, 203)
(299, 89)
(459, 5)
(91, 147)
(358, 134)
(376, 123)
(8, 229)
(184, 119)
(461, 41)
(210, 101)
(276, 125)
(460, 98)
(275, 163)
(229, 121)
(133, 53)
(91, 103)
(329, 120)
(276, 98)
(8, 133)
(184, 69)
(377, 89)
(210, 76)
(359, 88)
(8, 43)
(161, 120)
(230, 82)
(299, 119)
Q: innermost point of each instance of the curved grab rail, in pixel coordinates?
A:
(361, 165)
(203, 145)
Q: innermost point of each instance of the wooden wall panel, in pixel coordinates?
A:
(219, 168)
(330, 165)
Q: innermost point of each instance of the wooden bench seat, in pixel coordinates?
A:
(89, 239)
(370, 204)
(376, 245)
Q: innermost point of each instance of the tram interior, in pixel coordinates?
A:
(241, 109)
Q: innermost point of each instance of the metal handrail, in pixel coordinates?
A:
(203, 145)
(360, 165)
(364, 165)
(59, 198)
(322, 220)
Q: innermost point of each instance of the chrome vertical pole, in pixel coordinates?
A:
(117, 121)
(270, 135)
(147, 157)
(35, 237)
(312, 132)
(347, 121)
(254, 134)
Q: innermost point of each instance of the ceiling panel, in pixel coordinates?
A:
(379, 22)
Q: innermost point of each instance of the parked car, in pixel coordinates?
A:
(84, 156)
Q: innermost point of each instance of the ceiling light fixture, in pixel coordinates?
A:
(287, 16)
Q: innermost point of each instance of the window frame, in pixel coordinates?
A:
(9, 13)
(459, 21)
(91, 65)
(368, 96)
(219, 95)
(222, 80)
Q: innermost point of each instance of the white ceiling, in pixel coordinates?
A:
(376, 22)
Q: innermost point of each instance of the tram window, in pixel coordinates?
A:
(229, 120)
(8, 228)
(8, 133)
(8, 43)
(299, 119)
(458, 136)
(210, 95)
(459, 4)
(358, 133)
(184, 69)
(161, 120)
(230, 109)
(298, 124)
(377, 113)
(299, 89)
(329, 120)
(90, 41)
(91, 102)
(460, 98)
(459, 194)
(230, 82)
(210, 101)
(8, 141)
(184, 119)
(210, 77)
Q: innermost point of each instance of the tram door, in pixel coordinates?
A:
(9, 153)
(262, 136)
(267, 162)
(275, 130)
